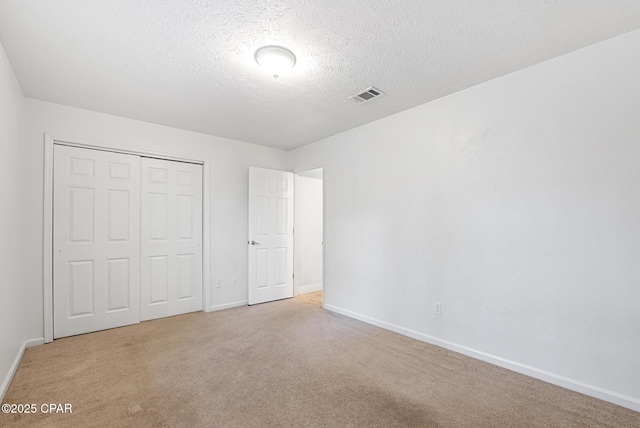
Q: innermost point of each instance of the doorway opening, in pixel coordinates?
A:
(308, 237)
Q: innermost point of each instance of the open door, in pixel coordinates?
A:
(270, 235)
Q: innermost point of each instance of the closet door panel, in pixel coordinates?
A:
(171, 238)
(96, 240)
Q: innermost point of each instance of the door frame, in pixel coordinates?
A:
(324, 229)
(50, 140)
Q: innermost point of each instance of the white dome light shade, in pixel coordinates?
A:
(275, 60)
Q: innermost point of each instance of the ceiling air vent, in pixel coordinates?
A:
(367, 95)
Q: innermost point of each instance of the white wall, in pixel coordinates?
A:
(230, 161)
(516, 203)
(11, 280)
(308, 236)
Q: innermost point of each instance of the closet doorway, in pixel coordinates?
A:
(127, 239)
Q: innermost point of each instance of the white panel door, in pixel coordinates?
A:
(171, 238)
(96, 254)
(270, 235)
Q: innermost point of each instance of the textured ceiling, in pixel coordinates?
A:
(189, 64)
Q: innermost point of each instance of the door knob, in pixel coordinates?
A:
(254, 242)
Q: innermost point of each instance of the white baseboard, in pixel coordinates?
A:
(229, 305)
(311, 288)
(623, 400)
(34, 342)
(16, 362)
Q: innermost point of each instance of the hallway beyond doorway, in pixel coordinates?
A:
(314, 298)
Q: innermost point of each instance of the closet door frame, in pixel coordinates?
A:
(50, 140)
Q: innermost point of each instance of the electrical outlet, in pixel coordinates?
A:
(218, 283)
(437, 308)
(234, 282)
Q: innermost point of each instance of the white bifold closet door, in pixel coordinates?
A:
(171, 238)
(96, 254)
(127, 236)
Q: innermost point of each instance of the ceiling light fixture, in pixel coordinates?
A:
(275, 60)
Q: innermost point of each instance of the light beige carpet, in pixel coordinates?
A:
(283, 364)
